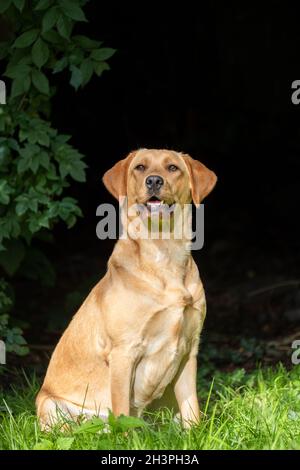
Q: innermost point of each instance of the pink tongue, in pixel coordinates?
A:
(155, 201)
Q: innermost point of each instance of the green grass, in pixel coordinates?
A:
(260, 410)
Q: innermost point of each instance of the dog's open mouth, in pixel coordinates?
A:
(154, 204)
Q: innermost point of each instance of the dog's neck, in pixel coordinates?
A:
(154, 253)
(161, 252)
(155, 256)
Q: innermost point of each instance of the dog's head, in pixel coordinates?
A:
(159, 177)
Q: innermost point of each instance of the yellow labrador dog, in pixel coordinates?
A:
(133, 343)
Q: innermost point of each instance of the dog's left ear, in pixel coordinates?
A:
(115, 179)
(202, 179)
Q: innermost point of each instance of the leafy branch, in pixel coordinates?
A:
(37, 163)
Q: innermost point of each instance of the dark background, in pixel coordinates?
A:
(213, 81)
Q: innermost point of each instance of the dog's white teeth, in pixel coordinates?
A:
(155, 203)
(155, 206)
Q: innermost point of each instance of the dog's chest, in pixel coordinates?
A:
(167, 340)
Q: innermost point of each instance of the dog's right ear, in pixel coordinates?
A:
(202, 179)
(115, 179)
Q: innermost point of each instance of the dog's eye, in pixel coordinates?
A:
(172, 168)
(140, 167)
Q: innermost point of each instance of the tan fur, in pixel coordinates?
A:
(134, 341)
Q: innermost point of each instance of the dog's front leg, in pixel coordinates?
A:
(121, 366)
(186, 393)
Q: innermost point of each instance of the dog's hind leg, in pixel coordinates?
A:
(54, 411)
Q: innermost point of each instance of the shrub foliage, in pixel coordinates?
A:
(37, 163)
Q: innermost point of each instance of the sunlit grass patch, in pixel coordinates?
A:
(258, 410)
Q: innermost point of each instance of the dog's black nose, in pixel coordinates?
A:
(154, 182)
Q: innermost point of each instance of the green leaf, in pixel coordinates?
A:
(11, 258)
(52, 36)
(26, 39)
(17, 332)
(5, 191)
(60, 65)
(50, 18)
(43, 138)
(40, 53)
(21, 208)
(4, 5)
(24, 59)
(123, 423)
(64, 443)
(130, 422)
(85, 42)
(76, 77)
(102, 54)
(43, 221)
(17, 71)
(87, 70)
(15, 342)
(38, 221)
(64, 27)
(40, 82)
(73, 166)
(60, 140)
(27, 83)
(72, 10)
(44, 444)
(100, 67)
(27, 202)
(17, 88)
(36, 130)
(30, 158)
(43, 4)
(13, 144)
(19, 4)
(44, 160)
(20, 350)
(76, 57)
(68, 211)
(92, 426)
(9, 225)
(68, 205)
